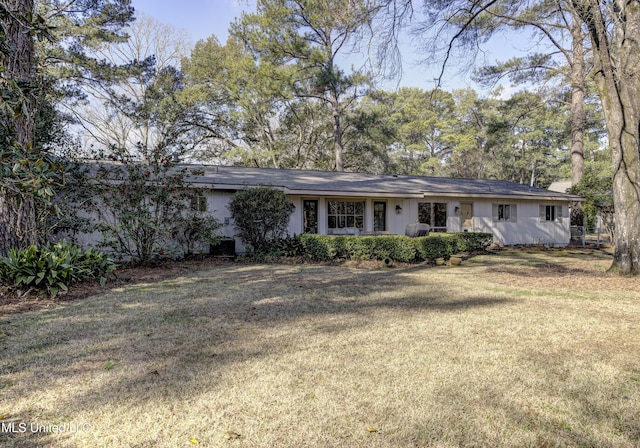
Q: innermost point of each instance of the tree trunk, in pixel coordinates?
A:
(17, 221)
(616, 68)
(577, 103)
(337, 131)
(17, 209)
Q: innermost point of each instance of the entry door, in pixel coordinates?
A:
(310, 216)
(466, 215)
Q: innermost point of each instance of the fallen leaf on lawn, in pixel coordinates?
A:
(372, 429)
(194, 441)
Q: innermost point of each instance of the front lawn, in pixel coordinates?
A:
(516, 349)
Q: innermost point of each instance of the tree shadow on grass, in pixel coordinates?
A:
(153, 337)
(173, 341)
(543, 264)
(570, 417)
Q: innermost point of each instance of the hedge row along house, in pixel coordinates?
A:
(341, 203)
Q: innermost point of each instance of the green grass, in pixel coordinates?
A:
(512, 350)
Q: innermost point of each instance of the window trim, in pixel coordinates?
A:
(346, 215)
(384, 216)
(199, 203)
(317, 210)
(498, 206)
(432, 213)
(554, 211)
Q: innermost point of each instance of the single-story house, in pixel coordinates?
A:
(357, 203)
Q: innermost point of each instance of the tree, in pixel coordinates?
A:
(423, 120)
(27, 173)
(144, 207)
(565, 58)
(241, 108)
(595, 188)
(531, 138)
(311, 35)
(127, 111)
(473, 135)
(261, 216)
(614, 31)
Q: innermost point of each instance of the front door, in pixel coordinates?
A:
(310, 216)
(466, 215)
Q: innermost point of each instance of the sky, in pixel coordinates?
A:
(202, 18)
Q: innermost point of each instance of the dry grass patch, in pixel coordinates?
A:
(516, 349)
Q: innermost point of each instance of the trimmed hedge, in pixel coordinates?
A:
(395, 247)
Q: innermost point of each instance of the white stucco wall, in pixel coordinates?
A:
(528, 229)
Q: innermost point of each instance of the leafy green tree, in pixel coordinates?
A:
(596, 189)
(562, 55)
(64, 31)
(423, 120)
(473, 135)
(614, 32)
(531, 133)
(369, 133)
(261, 216)
(142, 200)
(307, 37)
(240, 109)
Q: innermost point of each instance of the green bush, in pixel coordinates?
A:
(261, 216)
(476, 241)
(53, 267)
(318, 247)
(439, 246)
(395, 247)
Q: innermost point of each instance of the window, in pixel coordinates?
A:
(379, 216)
(343, 214)
(433, 213)
(310, 216)
(199, 203)
(505, 212)
(550, 213)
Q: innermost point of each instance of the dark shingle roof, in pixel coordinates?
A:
(301, 181)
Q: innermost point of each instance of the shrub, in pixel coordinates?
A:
(438, 246)
(195, 230)
(395, 247)
(476, 241)
(317, 247)
(141, 198)
(261, 216)
(54, 267)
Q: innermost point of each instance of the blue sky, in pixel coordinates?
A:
(202, 18)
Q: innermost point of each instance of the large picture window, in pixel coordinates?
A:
(433, 213)
(343, 214)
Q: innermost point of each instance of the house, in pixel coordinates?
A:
(357, 203)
